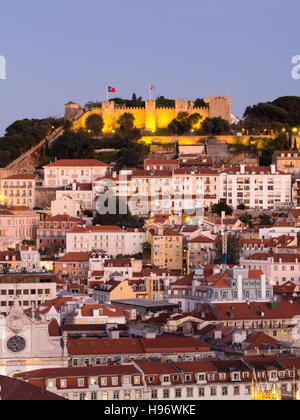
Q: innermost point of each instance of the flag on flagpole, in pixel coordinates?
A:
(151, 88)
(111, 89)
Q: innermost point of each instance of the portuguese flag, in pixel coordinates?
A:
(111, 89)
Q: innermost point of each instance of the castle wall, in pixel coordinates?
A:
(150, 117)
(164, 116)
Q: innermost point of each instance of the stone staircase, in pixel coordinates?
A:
(26, 163)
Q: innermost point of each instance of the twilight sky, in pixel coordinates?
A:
(61, 50)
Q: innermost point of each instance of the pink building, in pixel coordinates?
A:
(279, 268)
(17, 224)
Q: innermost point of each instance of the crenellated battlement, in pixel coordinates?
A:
(150, 117)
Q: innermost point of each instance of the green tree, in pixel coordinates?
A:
(94, 124)
(241, 206)
(147, 251)
(220, 207)
(246, 218)
(73, 145)
(126, 123)
(216, 126)
(265, 219)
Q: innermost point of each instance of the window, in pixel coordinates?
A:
(51, 383)
(178, 393)
(103, 381)
(201, 392)
(224, 390)
(127, 380)
(166, 379)
(63, 383)
(81, 382)
(137, 380)
(166, 393)
(127, 395)
(189, 392)
(104, 396)
(82, 396)
(201, 377)
(94, 396)
(154, 394)
(236, 390)
(116, 395)
(115, 380)
(213, 391)
(138, 395)
(93, 381)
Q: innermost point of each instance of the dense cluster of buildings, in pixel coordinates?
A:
(92, 311)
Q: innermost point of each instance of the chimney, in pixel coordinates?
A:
(263, 286)
(239, 284)
(218, 335)
(132, 315)
(114, 334)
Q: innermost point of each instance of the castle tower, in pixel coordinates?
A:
(108, 115)
(150, 116)
(181, 105)
(71, 109)
(220, 106)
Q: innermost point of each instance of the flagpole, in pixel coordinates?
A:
(107, 93)
(150, 95)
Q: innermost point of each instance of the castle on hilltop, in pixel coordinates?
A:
(149, 117)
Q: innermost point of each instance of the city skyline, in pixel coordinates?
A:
(66, 52)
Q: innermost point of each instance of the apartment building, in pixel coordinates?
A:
(65, 205)
(260, 188)
(29, 289)
(19, 190)
(287, 161)
(67, 171)
(111, 239)
(52, 231)
(74, 265)
(166, 248)
(160, 164)
(200, 250)
(233, 285)
(279, 268)
(78, 192)
(213, 379)
(17, 224)
(162, 191)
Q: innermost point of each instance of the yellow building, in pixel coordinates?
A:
(166, 248)
(18, 190)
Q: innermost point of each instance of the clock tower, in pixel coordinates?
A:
(25, 344)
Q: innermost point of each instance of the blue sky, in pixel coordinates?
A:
(64, 50)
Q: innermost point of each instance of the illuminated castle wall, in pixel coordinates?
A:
(150, 117)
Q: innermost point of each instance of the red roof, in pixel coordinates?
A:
(74, 257)
(21, 176)
(77, 162)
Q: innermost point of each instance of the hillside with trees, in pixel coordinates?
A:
(22, 135)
